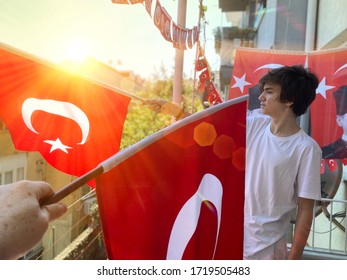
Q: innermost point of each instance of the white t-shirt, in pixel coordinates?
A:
(278, 170)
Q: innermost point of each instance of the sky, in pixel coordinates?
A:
(123, 36)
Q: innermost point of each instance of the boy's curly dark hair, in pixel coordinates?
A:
(298, 85)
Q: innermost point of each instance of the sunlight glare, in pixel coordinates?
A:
(78, 51)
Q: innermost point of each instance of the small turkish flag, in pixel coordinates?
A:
(213, 96)
(201, 64)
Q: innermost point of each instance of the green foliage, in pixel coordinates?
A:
(142, 121)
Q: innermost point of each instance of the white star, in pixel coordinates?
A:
(323, 88)
(240, 82)
(57, 145)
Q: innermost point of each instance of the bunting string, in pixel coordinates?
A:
(206, 87)
(181, 37)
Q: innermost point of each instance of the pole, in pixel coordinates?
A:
(179, 56)
(310, 39)
(196, 57)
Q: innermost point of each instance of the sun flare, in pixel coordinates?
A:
(77, 51)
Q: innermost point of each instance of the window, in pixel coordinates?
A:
(12, 168)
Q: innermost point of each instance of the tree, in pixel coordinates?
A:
(141, 121)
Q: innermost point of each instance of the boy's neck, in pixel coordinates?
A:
(284, 126)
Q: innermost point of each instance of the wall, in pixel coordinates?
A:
(332, 24)
(266, 32)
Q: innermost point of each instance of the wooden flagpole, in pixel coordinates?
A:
(121, 156)
(74, 185)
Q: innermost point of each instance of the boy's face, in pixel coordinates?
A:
(270, 100)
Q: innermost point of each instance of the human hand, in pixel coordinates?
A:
(23, 221)
(165, 107)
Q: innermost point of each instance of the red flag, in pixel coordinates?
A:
(165, 25)
(176, 34)
(251, 64)
(148, 6)
(183, 39)
(196, 31)
(332, 164)
(213, 96)
(330, 67)
(74, 123)
(158, 16)
(204, 76)
(190, 38)
(178, 194)
(201, 64)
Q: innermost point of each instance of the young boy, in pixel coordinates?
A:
(282, 166)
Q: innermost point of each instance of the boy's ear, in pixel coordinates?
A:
(339, 120)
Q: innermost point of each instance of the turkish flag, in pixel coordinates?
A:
(148, 6)
(212, 94)
(180, 192)
(165, 25)
(201, 64)
(251, 64)
(176, 34)
(331, 68)
(190, 42)
(158, 16)
(74, 123)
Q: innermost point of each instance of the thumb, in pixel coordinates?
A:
(55, 210)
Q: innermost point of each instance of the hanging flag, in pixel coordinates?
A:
(204, 76)
(330, 106)
(206, 84)
(328, 109)
(148, 6)
(190, 38)
(73, 122)
(178, 194)
(251, 64)
(201, 63)
(212, 94)
(176, 35)
(165, 25)
(183, 38)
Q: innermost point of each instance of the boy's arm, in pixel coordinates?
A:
(302, 227)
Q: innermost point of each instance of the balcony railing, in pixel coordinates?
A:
(328, 238)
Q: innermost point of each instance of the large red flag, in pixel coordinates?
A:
(251, 64)
(331, 99)
(178, 194)
(74, 123)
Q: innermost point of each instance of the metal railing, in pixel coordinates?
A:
(328, 237)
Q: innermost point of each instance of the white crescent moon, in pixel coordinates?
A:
(268, 66)
(60, 108)
(342, 67)
(210, 189)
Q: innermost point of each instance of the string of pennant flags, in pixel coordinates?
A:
(181, 38)
(206, 84)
